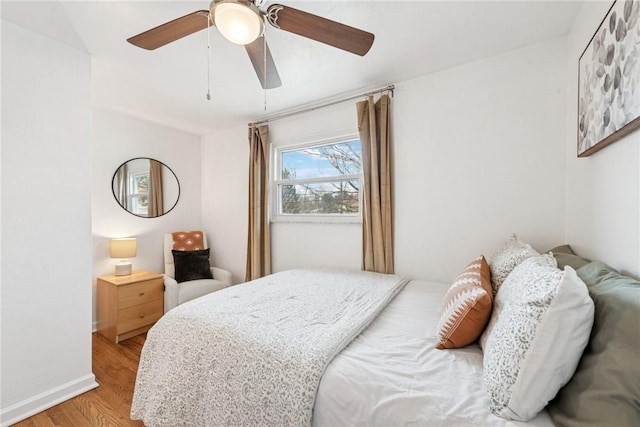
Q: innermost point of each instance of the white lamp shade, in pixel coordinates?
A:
(123, 248)
(237, 23)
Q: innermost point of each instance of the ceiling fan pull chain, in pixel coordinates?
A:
(208, 57)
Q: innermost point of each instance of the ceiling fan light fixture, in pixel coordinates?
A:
(237, 21)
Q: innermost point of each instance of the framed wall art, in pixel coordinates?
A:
(609, 80)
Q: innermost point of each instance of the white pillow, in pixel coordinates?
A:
(540, 325)
(505, 259)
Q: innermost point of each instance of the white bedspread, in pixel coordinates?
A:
(253, 354)
(392, 375)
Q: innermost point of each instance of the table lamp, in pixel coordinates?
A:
(123, 249)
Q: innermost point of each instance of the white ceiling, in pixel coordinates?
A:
(169, 85)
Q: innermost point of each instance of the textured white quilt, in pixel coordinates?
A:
(254, 354)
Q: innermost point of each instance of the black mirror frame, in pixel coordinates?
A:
(163, 164)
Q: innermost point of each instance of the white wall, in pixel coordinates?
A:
(46, 223)
(479, 154)
(116, 139)
(603, 190)
(225, 199)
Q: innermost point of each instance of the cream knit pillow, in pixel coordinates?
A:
(505, 259)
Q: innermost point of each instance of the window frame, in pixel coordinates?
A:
(276, 182)
(135, 196)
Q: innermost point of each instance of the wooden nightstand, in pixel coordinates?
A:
(129, 305)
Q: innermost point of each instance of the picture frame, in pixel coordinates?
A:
(609, 80)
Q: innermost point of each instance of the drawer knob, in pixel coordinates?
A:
(141, 294)
(142, 316)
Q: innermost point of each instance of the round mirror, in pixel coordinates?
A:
(145, 187)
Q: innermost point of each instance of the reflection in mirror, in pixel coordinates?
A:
(145, 187)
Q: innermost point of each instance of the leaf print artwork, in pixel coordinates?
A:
(609, 80)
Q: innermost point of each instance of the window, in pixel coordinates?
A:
(139, 192)
(318, 181)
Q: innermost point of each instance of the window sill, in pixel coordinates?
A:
(317, 219)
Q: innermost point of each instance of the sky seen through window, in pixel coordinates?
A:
(316, 162)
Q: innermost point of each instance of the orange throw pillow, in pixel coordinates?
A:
(467, 306)
(188, 241)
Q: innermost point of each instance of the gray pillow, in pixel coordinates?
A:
(564, 255)
(563, 249)
(605, 390)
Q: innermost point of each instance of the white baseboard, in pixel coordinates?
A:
(46, 400)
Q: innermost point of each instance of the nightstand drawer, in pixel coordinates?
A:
(129, 305)
(139, 315)
(139, 293)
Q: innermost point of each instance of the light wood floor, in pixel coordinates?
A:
(115, 367)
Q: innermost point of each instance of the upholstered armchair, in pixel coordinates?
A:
(176, 293)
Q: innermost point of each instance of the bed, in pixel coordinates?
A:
(385, 372)
(406, 380)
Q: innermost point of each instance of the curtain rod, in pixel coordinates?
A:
(389, 88)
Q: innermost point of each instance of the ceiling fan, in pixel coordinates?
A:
(242, 22)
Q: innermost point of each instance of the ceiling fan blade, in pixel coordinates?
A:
(171, 31)
(320, 29)
(256, 52)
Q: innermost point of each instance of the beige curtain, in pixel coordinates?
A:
(156, 200)
(121, 186)
(259, 239)
(377, 224)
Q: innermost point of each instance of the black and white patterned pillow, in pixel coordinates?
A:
(540, 325)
